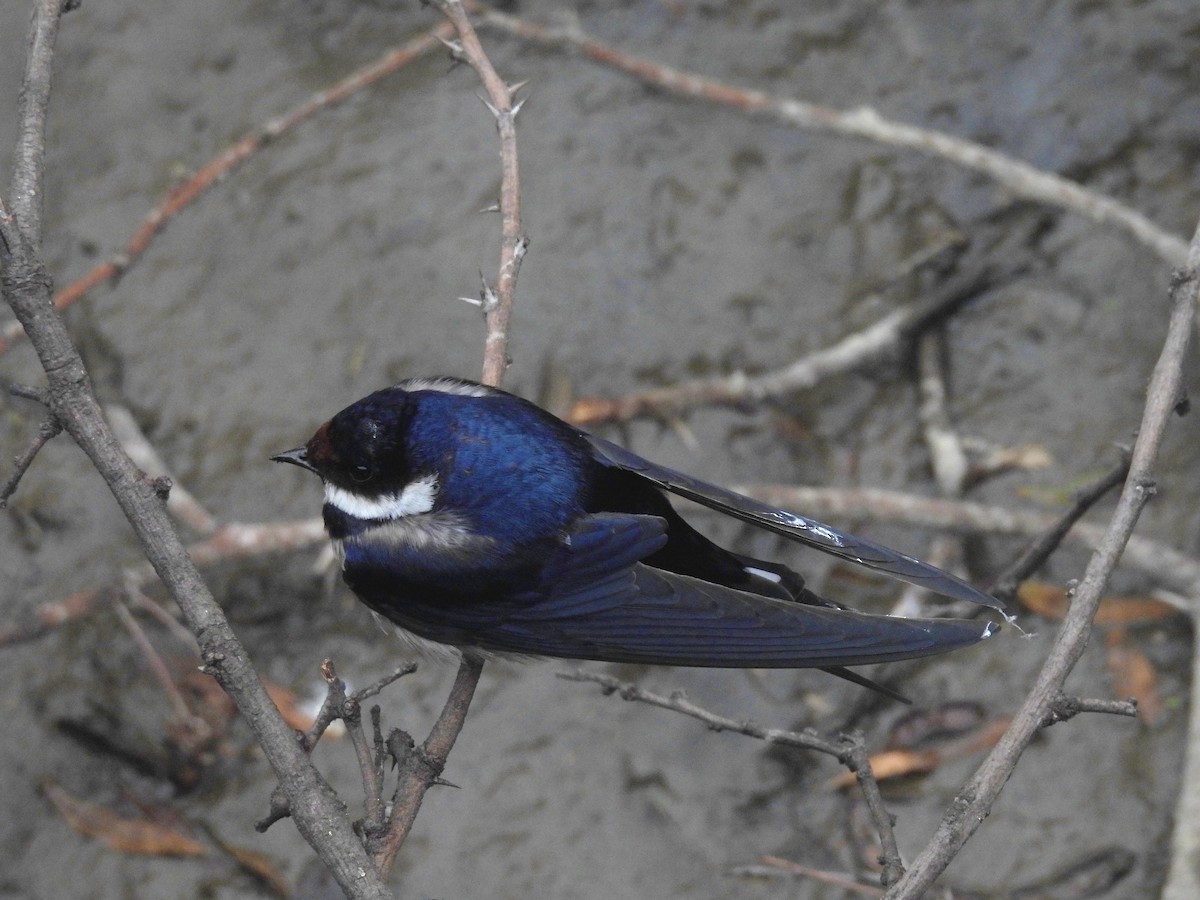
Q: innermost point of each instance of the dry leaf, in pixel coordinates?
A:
(894, 763)
(289, 706)
(589, 410)
(125, 835)
(1134, 676)
(1050, 601)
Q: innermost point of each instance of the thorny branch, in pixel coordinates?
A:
(1019, 177)
(423, 766)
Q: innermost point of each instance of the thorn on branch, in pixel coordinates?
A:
(400, 746)
(455, 48)
(520, 249)
(496, 113)
(488, 300)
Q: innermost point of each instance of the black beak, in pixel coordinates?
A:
(297, 457)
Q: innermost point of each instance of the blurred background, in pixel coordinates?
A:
(669, 240)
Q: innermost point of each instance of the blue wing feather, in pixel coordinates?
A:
(595, 601)
(796, 527)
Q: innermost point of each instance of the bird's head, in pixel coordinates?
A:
(361, 455)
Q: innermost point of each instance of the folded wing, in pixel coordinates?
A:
(597, 602)
(796, 527)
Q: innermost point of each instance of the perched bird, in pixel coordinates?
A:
(470, 517)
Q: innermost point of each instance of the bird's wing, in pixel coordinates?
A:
(796, 527)
(597, 602)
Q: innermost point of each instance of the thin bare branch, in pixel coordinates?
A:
(975, 800)
(849, 751)
(1035, 555)
(162, 674)
(198, 183)
(422, 766)
(49, 429)
(513, 244)
(1064, 708)
(1019, 177)
(855, 351)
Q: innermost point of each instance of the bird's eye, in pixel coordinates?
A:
(361, 473)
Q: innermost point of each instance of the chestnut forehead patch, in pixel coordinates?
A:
(320, 449)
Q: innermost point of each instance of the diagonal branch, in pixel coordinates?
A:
(26, 285)
(1019, 177)
(975, 800)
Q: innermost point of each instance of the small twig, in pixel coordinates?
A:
(135, 597)
(336, 698)
(1019, 177)
(512, 243)
(1064, 708)
(395, 675)
(947, 455)
(347, 707)
(49, 429)
(849, 751)
(1035, 555)
(162, 674)
(331, 708)
(777, 866)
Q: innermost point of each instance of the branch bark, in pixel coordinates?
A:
(26, 284)
(974, 801)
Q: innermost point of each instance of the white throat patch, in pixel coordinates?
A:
(415, 499)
